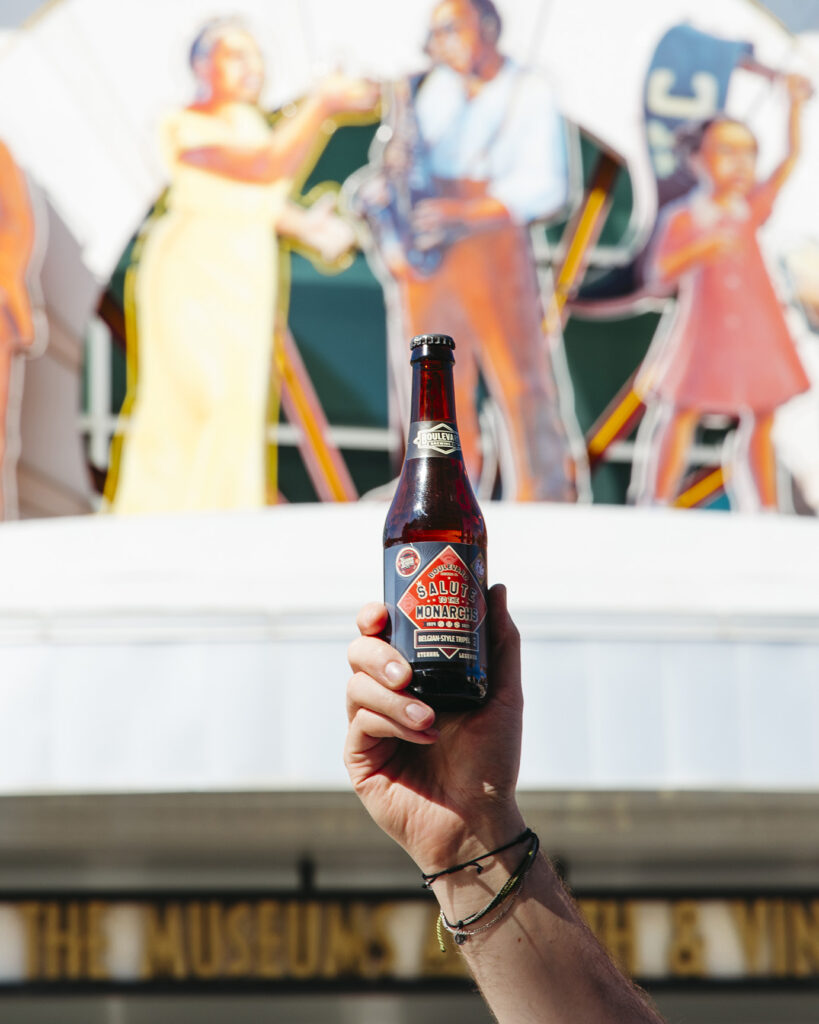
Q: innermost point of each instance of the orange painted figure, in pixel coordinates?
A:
(729, 350)
(17, 330)
(482, 152)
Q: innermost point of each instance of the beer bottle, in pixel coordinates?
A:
(435, 546)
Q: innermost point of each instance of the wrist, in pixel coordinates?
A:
(465, 841)
(323, 101)
(466, 896)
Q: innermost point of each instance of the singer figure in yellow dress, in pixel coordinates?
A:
(206, 283)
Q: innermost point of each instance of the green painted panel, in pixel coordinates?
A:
(339, 325)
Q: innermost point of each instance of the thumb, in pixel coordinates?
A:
(504, 649)
(325, 204)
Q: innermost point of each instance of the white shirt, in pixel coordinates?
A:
(510, 134)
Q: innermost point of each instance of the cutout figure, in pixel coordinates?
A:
(478, 151)
(18, 326)
(729, 349)
(207, 278)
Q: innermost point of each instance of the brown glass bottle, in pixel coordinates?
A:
(435, 546)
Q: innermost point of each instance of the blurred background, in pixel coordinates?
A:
(219, 228)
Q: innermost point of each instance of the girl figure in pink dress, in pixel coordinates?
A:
(729, 350)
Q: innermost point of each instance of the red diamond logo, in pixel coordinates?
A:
(445, 604)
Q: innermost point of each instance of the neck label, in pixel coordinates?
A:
(430, 439)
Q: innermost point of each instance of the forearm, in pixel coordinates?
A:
(446, 794)
(539, 963)
(292, 221)
(784, 170)
(794, 131)
(674, 263)
(436, 220)
(248, 165)
(292, 141)
(486, 213)
(295, 138)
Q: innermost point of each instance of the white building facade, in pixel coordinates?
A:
(180, 841)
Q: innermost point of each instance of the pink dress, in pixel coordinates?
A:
(729, 349)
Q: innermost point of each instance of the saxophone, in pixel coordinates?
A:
(397, 177)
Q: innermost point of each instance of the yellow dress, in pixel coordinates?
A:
(205, 304)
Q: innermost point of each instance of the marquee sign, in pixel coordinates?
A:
(377, 940)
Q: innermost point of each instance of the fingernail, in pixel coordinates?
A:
(417, 713)
(396, 672)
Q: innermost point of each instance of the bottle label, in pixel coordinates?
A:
(433, 439)
(436, 594)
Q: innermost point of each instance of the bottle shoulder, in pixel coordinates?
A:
(434, 500)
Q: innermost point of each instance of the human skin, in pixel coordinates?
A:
(458, 40)
(726, 163)
(480, 242)
(444, 789)
(233, 72)
(16, 319)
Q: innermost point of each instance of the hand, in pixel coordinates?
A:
(436, 221)
(442, 788)
(723, 241)
(431, 218)
(395, 260)
(325, 231)
(397, 156)
(349, 95)
(799, 88)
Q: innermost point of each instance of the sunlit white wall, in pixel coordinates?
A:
(661, 649)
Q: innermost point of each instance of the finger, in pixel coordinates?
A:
(425, 215)
(368, 729)
(326, 201)
(372, 619)
(364, 692)
(427, 223)
(426, 242)
(376, 658)
(504, 649)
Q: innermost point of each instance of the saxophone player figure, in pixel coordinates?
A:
(477, 151)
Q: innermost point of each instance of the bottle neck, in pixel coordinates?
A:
(433, 392)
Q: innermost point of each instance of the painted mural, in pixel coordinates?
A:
(477, 151)
(205, 289)
(630, 274)
(23, 331)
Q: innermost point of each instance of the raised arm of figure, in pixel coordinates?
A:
(800, 91)
(445, 791)
(293, 139)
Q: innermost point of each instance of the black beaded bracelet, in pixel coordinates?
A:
(475, 862)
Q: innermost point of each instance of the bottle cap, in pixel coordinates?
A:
(432, 339)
